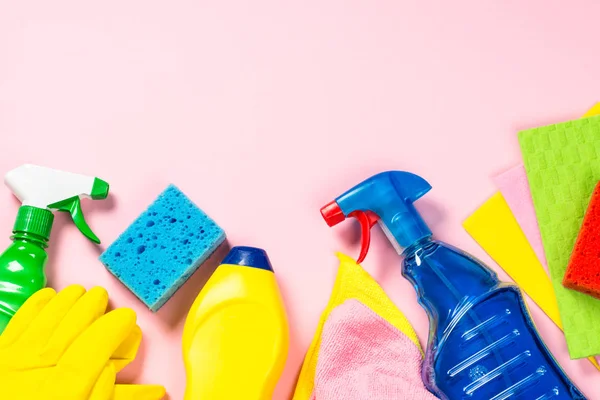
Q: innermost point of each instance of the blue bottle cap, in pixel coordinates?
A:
(248, 257)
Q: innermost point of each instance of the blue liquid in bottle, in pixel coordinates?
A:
(482, 344)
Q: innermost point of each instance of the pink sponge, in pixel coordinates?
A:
(583, 271)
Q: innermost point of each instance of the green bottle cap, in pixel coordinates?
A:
(37, 221)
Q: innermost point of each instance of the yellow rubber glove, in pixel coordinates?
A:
(63, 346)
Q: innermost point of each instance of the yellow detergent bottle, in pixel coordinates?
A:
(235, 340)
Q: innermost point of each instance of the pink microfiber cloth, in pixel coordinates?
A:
(514, 187)
(364, 347)
(363, 356)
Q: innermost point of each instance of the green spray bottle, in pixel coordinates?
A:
(41, 191)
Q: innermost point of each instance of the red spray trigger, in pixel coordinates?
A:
(333, 215)
(366, 219)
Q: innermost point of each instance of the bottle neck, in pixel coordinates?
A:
(428, 267)
(417, 246)
(445, 278)
(429, 275)
(33, 225)
(28, 237)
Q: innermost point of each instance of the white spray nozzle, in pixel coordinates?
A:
(52, 189)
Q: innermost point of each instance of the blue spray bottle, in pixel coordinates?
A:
(482, 341)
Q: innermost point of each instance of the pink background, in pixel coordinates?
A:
(262, 111)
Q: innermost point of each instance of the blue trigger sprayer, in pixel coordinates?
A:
(482, 341)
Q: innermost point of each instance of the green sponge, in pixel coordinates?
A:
(563, 166)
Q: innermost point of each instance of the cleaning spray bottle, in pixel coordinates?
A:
(482, 341)
(235, 339)
(41, 191)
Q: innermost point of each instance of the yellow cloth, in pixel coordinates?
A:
(497, 231)
(495, 228)
(595, 110)
(352, 282)
(63, 346)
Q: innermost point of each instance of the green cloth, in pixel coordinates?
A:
(563, 166)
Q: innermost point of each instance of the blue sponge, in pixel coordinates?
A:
(163, 247)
